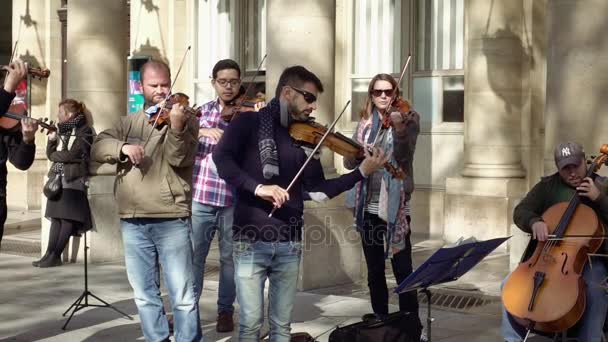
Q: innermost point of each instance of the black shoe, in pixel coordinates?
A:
(37, 262)
(373, 318)
(52, 261)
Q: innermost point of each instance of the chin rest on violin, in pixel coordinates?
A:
(310, 133)
(162, 117)
(238, 105)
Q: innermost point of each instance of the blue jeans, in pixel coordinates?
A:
(254, 262)
(590, 326)
(147, 242)
(205, 221)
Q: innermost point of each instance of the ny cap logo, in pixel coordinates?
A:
(565, 151)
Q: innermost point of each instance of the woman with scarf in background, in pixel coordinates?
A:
(68, 210)
(381, 201)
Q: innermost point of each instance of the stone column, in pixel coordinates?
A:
(493, 91)
(35, 38)
(481, 202)
(303, 33)
(576, 76)
(97, 75)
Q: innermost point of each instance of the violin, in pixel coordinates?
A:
(36, 72)
(11, 122)
(398, 105)
(240, 104)
(310, 133)
(162, 118)
(546, 292)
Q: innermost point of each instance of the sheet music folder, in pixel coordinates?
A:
(448, 264)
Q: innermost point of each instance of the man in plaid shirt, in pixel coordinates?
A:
(213, 199)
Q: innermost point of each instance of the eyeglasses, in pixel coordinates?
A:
(223, 83)
(378, 92)
(308, 97)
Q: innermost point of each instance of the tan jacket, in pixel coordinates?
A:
(161, 186)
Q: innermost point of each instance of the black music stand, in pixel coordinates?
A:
(78, 303)
(445, 265)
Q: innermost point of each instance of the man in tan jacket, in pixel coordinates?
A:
(153, 191)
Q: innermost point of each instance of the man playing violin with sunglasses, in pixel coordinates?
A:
(258, 157)
(153, 182)
(18, 147)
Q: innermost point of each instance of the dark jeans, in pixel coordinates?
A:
(3, 211)
(372, 240)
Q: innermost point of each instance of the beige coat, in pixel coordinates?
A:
(161, 186)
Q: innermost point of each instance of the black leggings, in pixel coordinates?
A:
(59, 235)
(372, 240)
(3, 211)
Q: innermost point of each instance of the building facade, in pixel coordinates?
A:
(497, 83)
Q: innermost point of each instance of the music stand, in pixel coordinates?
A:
(78, 305)
(445, 265)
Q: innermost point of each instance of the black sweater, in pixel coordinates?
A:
(12, 147)
(238, 162)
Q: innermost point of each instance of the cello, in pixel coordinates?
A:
(546, 292)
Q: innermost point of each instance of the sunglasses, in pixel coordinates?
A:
(308, 97)
(378, 92)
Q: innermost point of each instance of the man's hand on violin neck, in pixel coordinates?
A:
(178, 117)
(28, 130)
(373, 161)
(135, 153)
(211, 133)
(273, 193)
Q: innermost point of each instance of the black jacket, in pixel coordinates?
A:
(12, 147)
(548, 192)
(237, 157)
(76, 159)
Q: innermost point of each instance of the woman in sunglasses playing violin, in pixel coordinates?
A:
(381, 202)
(16, 146)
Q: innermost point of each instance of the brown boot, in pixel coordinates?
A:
(224, 322)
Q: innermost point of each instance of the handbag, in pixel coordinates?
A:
(396, 327)
(297, 337)
(53, 187)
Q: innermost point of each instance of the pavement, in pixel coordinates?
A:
(32, 301)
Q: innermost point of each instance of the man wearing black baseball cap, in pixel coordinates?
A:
(569, 179)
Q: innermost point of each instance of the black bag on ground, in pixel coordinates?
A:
(397, 327)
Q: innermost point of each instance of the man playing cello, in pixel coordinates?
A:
(561, 187)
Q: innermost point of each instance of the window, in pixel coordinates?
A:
(438, 80)
(255, 46)
(376, 27)
(233, 29)
(216, 31)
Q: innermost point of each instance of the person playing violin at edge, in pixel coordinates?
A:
(213, 199)
(154, 177)
(18, 146)
(560, 187)
(381, 202)
(259, 158)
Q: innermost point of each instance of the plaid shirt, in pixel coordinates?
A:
(208, 187)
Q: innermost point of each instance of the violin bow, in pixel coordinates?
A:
(314, 151)
(164, 106)
(407, 63)
(254, 75)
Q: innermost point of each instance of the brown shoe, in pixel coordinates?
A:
(224, 322)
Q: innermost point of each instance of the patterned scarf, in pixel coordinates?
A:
(269, 155)
(65, 132)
